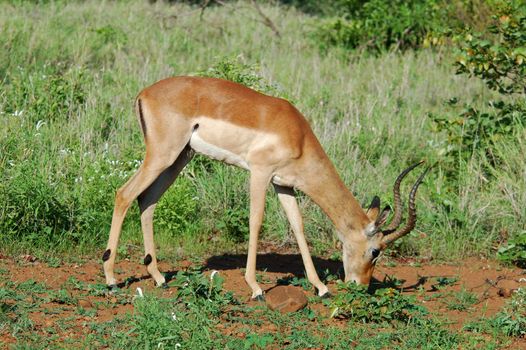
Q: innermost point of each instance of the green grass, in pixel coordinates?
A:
(70, 138)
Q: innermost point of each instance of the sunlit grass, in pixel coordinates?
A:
(70, 138)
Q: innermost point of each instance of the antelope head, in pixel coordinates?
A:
(362, 250)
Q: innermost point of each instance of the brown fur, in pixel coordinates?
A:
(269, 135)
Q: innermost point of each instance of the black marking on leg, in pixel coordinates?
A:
(259, 298)
(147, 260)
(141, 117)
(196, 126)
(106, 255)
(327, 295)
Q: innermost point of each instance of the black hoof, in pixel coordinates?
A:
(112, 288)
(326, 295)
(164, 285)
(259, 298)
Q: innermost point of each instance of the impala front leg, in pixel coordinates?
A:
(259, 181)
(290, 205)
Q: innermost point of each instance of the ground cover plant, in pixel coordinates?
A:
(379, 95)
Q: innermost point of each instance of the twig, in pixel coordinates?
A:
(266, 21)
(203, 8)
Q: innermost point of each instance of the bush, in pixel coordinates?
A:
(236, 70)
(380, 24)
(501, 64)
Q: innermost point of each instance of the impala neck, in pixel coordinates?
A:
(325, 187)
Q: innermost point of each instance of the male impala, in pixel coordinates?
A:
(267, 136)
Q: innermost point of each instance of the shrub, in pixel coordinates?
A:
(384, 305)
(514, 251)
(236, 70)
(501, 64)
(380, 24)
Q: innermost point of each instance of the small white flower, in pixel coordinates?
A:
(174, 316)
(40, 124)
(213, 274)
(139, 292)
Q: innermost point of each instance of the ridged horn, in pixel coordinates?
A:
(397, 216)
(411, 220)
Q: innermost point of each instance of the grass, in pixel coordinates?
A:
(70, 138)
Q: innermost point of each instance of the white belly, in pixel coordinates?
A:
(201, 146)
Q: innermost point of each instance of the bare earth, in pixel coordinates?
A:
(489, 281)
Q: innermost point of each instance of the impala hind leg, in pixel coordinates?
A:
(290, 205)
(259, 181)
(147, 203)
(154, 164)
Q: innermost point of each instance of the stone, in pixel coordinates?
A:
(286, 299)
(505, 292)
(86, 304)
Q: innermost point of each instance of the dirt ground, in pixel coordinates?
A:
(490, 282)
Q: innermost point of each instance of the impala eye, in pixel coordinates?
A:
(375, 253)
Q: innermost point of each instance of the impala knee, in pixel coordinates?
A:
(122, 199)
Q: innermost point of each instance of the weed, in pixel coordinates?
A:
(512, 320)
(54, 262)
(385, 305)
(258, 341)
(295, 281)
(444, 282)
(462, 300)
(514, 251)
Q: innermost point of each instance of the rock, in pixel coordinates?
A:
(505, 292)
(86, 304)
(185, 265)
(286, 299)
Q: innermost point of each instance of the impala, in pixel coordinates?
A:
(267, 136)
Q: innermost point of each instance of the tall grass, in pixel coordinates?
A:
(70, 72)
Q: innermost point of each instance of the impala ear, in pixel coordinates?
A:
(382, 218)
(374, 209)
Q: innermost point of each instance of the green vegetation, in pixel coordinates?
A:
(70, 138)
(202, 315)
(385, 305)
(511, 321)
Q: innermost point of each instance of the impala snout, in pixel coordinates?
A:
(359, 279)
(358, 268)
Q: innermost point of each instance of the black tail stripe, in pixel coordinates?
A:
(141, 117)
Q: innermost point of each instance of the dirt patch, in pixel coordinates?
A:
(440, 287)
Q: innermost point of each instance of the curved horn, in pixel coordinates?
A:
(411, 220)
(397, 216)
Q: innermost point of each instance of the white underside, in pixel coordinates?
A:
(201, 146)
(230, 143)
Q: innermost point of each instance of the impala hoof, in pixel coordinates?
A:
(259, 298)
(164, 285)
(327, 295)
(112, 288)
